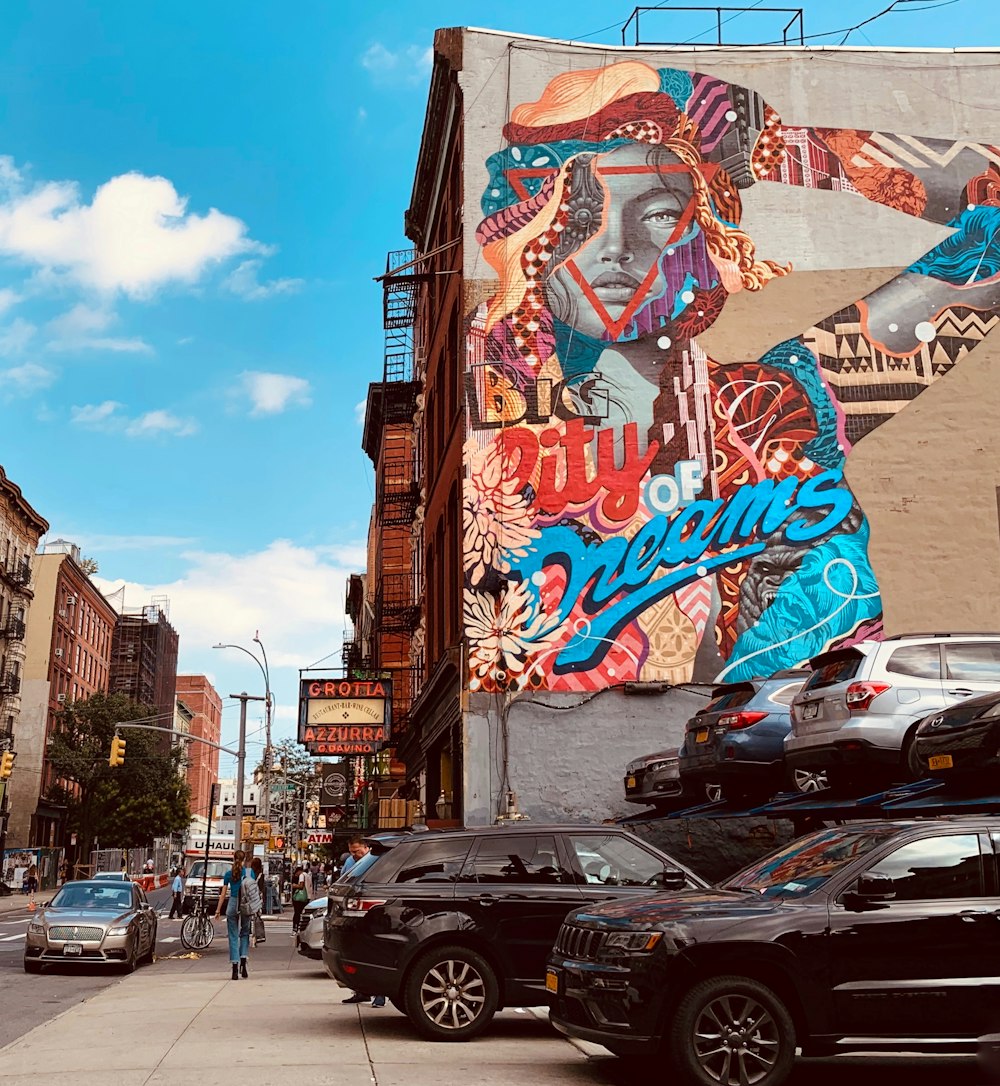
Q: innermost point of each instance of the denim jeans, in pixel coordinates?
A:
(238, 930)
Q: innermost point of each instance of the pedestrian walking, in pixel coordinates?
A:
(257, 870)
(63, 871)
(237, 925)
(300, 895)
(177, 888)
(31, 884)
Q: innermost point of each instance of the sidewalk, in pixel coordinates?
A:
(183, 1019)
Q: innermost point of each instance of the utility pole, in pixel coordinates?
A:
(241, 757)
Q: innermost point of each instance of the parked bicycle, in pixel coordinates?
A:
(198, 930)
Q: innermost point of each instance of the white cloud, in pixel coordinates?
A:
(155, 423)
(135, 236)
(76, 330)
(109, 418)
(8, 299)
(25, 379)
(95, 416)
(360, 410)
(292, 594)
(409, 64)
(15, 337)
(243, 280)
(272, 393)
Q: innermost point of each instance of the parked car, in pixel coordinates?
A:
(654, 780)
(962, 742)
(856, 716)
(92, 922)
(309, 935)
(452, 925)
(737, 740)
(859, 936)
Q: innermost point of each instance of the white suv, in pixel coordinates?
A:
(857, 713)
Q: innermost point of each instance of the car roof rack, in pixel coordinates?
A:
(946, 633)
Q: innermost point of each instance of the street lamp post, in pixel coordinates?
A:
(265, 671)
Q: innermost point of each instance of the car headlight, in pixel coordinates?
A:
(654, 767)
(122, 929)
(35, 928)
(633, 941)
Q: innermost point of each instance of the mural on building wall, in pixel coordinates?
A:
(635, 509)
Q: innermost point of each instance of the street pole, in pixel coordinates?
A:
(267, 729)
(208, 841)
(241, 757)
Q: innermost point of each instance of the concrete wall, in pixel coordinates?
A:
(26, 780)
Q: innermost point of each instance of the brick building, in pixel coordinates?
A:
(20, 530)
(651, 289)
(68, 658)
(205, 706)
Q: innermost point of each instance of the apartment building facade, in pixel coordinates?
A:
(204, 704)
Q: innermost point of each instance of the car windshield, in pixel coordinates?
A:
(92, 897)
(805, 865)
(216, 869)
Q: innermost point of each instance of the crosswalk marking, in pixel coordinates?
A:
(11, 938)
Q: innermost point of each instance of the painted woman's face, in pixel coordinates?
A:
(628, 209)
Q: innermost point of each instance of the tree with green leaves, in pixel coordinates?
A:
(124, 806)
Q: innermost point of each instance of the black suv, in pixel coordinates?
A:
(452, 925)
(860, 937)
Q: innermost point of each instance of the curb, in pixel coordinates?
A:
(587, 1048)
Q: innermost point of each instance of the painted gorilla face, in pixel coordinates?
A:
(631, 252)
(760, 585)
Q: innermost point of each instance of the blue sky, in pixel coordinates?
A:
(181, 399)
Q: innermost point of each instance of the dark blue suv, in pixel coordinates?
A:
(736, 743)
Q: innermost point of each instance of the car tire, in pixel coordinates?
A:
(130, 963)
(399, 1004)
(435, 1013)
(706, 1053)
(147, 958)
(32, 966)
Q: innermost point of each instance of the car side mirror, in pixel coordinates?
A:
(673, 879)
(872, 887)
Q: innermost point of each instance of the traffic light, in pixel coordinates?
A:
(117, 756)
(6, 764)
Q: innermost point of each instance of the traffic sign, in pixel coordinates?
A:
(229, 810)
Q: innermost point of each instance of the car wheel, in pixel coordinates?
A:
(732, 1031)
(451, 994)
(132, 960)
(32, 966)
(399, 1004)
(807, 781)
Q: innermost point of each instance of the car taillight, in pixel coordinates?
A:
(735, 721)
(361, 904)
(860, 695)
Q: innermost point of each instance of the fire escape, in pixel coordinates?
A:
(18, 577)
(397, 497)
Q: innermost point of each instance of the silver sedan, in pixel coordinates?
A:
(94, 923)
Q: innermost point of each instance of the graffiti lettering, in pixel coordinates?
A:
(597, 573)
(665, 493)
(494, 404)
(563, 477)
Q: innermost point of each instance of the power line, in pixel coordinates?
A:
(897, 7)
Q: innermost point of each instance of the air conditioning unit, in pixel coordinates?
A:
(70, 600)
(59, 653)
(60, 697)
(62, 612)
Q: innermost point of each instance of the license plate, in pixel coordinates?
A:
(630, 783)
(940, 761)
(701, 736)
(810, 711)
(552, 981)
(72, 950)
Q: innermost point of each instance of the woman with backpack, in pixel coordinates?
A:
(239, 891)
(300, 895)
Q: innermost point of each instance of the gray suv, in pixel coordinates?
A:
(857, 713)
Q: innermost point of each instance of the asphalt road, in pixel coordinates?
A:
(30, 1000)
